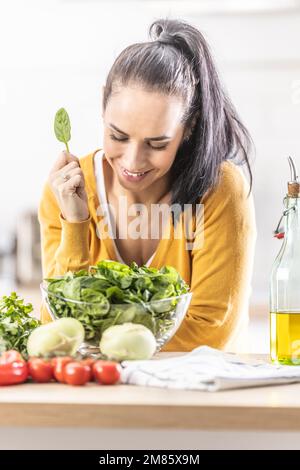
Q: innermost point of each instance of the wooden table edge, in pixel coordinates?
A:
(150, 416)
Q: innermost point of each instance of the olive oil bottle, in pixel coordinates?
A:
(285, 281)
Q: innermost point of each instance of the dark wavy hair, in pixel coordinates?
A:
(177, 61)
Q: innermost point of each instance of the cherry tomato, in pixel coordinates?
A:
(13, 373)
(13, 368)
(59, 364)
(89, 362)
(40, 370)
(10, 356)
(107, 372)
(76, 373)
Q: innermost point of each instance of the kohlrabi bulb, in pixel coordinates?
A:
(128, 341)
(62, 336)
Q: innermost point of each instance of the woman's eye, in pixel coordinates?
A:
(113, 137)
(158, 148)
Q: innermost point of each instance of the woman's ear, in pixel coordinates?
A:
(188, 132)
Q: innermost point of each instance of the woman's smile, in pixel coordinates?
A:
(134, 176)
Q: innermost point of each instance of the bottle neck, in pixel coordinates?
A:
(292, 222)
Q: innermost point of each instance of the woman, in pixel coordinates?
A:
(170, 133)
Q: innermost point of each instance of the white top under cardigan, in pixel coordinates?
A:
(98, 166)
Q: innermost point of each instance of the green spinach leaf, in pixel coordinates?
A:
(62, 127)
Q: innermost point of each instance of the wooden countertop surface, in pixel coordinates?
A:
(127, 406)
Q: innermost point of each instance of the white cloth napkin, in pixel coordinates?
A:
(207, 369)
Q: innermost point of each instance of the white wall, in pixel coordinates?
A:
(57, 53)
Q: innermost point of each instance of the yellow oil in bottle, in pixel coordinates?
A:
(285, 337)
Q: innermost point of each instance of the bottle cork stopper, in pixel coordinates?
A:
(293, 189)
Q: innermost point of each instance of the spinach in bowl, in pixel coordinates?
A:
(112, 293)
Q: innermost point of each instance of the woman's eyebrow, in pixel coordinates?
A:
(161, 137)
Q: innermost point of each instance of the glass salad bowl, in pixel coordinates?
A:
(163, 317)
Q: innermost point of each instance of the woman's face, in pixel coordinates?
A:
(142, 132)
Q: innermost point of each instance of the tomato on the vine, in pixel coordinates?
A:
(40, 370)
(10, 356)
(89, 362)
(107, 372)
(59, 363)
(13, 368)
(76, 373)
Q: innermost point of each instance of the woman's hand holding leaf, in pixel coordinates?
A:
(67, 183)
(66, 178)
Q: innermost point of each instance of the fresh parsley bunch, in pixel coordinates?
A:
(15, 323)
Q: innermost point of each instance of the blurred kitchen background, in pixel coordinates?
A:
(57, 53)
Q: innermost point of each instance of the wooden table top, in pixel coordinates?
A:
(128, 406)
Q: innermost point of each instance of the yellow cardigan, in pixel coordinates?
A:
(219, 273)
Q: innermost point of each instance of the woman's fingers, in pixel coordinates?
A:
(67, 176)
(65, 171)
(63, 159)
(67, 183)
(69, 187)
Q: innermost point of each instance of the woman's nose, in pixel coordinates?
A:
(134, 159)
